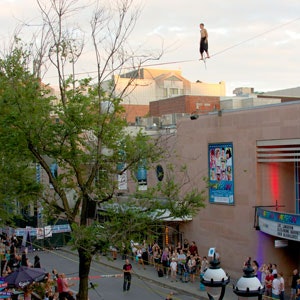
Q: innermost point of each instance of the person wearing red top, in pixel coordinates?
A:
(63, 288)
(193, 248)
(127, 269)
(59, 284)
(268, 282)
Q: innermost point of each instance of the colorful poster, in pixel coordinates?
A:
(220, 173)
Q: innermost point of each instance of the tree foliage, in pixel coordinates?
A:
(83, 131)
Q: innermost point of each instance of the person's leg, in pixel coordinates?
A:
(201, 50)
(128, 282)
(69, 296)
(143, 263)
(125, 283)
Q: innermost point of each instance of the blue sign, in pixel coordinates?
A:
(291, 219)
(220, 173)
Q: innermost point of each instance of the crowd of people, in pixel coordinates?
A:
(180, 263)
(12, 259)
(54, 286)
(183, 263)
(274, 283)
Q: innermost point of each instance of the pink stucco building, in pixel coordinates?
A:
(260, 217)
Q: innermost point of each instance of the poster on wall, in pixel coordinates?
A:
(220, 173)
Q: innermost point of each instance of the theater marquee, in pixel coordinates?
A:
(279, 224)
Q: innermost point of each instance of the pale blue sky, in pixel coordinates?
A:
(252, 43)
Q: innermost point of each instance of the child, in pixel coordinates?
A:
(173, 267)
(185, 273)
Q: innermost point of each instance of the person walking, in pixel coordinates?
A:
(203, 41)
(127, 270)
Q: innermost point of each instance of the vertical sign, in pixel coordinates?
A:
(53, 169)
(38, 172)
(122, 176)
(220, 173)
(142, 176)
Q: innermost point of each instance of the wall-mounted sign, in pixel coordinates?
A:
(220, 173)
(286, 226)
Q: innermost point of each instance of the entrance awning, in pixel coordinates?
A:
(165, 215)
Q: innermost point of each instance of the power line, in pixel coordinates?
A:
(256, 36)
(215, 54)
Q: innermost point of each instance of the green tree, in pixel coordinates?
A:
(83, 131)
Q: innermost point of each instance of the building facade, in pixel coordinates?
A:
(184, 104)
(254, 209)
(146, 85)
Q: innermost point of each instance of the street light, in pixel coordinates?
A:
(249, 285)
(215, 280)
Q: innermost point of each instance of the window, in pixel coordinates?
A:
(173, 91)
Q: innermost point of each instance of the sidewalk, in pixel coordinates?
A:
(150, 275)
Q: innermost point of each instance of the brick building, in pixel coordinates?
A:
(184, 104)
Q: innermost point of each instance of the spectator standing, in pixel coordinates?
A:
(192, 268)
(156, 256)
(54, 278)
(173, 266)
(268, 283)
(274, 269)
(298, 290)
(24, 261)
(165, 258)
(295, 277)
(36, 263)
(179, 247)
(204, 264)
(64, 288)
(186, 245)
(263, 272)
(139, 254)
(275, 287)
(193, 248)
(48, 285)
(281, 279)
(181, 262)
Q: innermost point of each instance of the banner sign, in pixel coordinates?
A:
(220, 173)
(46, 231)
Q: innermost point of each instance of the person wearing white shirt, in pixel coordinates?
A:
(281, 279)
(275, 287)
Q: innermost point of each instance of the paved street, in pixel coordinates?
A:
(110, 288)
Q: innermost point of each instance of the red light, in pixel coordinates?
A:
(274, 182)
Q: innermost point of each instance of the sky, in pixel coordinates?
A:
(252, 43)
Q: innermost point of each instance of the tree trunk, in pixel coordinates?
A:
(85, 259)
